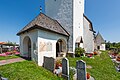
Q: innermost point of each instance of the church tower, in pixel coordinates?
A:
(78, 11)
(69, 13)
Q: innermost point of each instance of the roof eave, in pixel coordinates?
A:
(39, 27)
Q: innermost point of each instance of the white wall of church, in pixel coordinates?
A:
(70, 15)
(78, 10)
(88, 38)
(102, 47)
(47, 44)
(33, 37)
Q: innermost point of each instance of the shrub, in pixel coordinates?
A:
(79, 52)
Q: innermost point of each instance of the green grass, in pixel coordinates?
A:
(102, 67)
(26, 70)
(8, 57)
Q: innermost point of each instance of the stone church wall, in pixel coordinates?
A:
(62, 10)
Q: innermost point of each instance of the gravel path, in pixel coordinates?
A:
(4, 62)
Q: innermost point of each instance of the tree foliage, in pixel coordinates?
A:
(113, 45)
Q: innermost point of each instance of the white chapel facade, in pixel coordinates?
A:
(57, 32)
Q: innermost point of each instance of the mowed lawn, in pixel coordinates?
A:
(8, 57)
(26, 70)
(102, 67)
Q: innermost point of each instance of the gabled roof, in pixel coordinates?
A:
(91, 26)
(79, 39)
(99, 38)
(44, 22)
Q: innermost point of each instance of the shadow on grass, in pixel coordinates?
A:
(26, 58)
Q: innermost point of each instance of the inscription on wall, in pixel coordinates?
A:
(45, 46)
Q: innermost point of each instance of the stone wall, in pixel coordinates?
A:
(62, 10)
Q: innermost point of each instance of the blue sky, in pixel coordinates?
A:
(15, 14)
(105, 15)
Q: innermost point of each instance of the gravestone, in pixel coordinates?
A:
(81, 70)
(65, 68)
(49, 63)
(2, 78)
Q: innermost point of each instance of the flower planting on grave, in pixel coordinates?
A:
(118, 57)
(114, 55)
(102, 67)
(58, 64)
(95, 53)
(58, 68)
(88, 75)
(10, 53)
(90, 55)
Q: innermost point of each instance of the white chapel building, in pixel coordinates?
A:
(99, 42)
(58, 31)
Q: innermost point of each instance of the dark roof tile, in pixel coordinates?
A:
(44, 22)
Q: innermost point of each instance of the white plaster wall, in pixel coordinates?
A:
(46, 36)
(88, 37)
(78, 10)
(33, 37)
(102, 47)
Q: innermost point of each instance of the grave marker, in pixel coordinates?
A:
(49, 63)
(81, 70)
(65, 68)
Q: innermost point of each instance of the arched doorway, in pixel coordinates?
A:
(61, 48)
(27, 48)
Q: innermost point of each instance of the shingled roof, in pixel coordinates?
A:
(99, 39)
(44, 22)
(91, 26)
